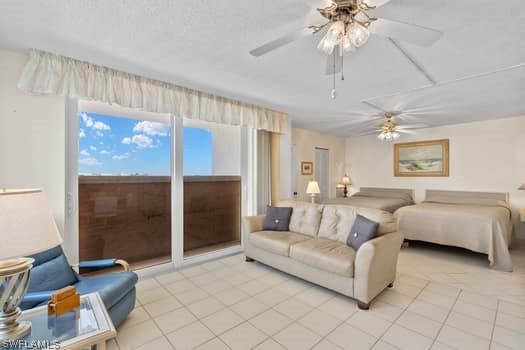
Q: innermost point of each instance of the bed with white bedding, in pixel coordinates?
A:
(478, 221)
(387, 199)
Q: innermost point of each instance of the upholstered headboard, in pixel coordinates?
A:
(390, 190)
(502, 196)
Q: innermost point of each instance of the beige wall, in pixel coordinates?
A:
(305, 142)
(32, 137)
(484, 156)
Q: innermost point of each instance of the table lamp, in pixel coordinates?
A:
(27, 227)
(346, 182)
(313, 189)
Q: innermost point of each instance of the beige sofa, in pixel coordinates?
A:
(315, 249)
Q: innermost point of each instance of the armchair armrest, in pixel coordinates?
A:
(103, 263)
(253, 223)
(375, 265)
(38, 297)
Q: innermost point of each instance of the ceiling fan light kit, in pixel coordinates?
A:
(388, 129)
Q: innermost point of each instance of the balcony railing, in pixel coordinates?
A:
(130, 216)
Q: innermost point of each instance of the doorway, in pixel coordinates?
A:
(321, 167)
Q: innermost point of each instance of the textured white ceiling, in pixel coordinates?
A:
(204, 44)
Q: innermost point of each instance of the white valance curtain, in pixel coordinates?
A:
(49, 74)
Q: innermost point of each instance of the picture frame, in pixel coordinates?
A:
(422, 158)
(307, 168)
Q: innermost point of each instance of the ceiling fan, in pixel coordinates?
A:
(391, 130)
(350, 25)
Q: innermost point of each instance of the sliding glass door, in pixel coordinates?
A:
(212, 187)
(124, 189)
(154, 188)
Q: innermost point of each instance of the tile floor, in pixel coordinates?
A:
(442, 299)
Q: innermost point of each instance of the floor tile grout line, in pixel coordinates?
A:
(399, 316)
(494, 323)
(446, 318)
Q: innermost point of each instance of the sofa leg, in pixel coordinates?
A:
(405, 244)
(248, 259)
(391, 285)
(363, 306)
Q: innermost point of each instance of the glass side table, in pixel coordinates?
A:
(86, 327)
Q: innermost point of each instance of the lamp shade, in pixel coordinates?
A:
(522, 187)
(313, 188)
(346, 180)
(26, 224)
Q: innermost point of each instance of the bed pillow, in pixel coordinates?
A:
(277, 219)
(362, 231)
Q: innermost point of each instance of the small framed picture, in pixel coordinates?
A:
(307, 168)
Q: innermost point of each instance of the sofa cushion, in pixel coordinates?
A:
(277, 219)
(362, 231)
(325, 254)
(337, 221)
(277, 242)
(306, 217)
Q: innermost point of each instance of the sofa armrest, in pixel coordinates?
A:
(253, 223)
(375, 265)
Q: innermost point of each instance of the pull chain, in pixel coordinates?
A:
(342, 65)
(334, 91)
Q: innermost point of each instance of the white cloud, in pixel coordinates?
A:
(82, 134)
(152, 128)
(89, 161)
(93, 148)
(120, 157)
(85, 153)
(88, 121)
(126, 140)
(93, 124)
(142, 141)
(104, 152)
(101, 126)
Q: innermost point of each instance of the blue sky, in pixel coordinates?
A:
(120, 146)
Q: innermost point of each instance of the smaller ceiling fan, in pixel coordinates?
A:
(390, 130)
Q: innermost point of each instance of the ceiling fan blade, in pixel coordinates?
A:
(376, 3)
(410, 33)
(279, 42)
(404, 131)
(413, 126)
(369, 104)
(333, 62)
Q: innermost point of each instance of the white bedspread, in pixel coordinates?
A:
(484, 227)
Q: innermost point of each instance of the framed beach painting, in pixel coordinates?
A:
(425, 158)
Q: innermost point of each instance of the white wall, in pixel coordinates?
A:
(32, 137)
(484, 156)
(226, 146)
(305, 142)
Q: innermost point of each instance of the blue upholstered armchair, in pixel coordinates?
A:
(51, 271)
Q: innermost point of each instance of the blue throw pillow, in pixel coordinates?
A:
(277, 219)
(362, 230)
